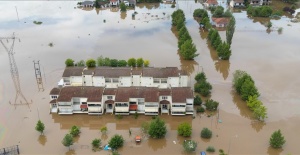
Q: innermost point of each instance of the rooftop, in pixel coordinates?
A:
(150, 94)
(93, 94)
(212, 2)
(54, 91)
(220, 20)
(180, 94)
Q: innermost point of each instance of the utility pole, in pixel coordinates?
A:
(38, 75)
(14, 70)
(17, 14)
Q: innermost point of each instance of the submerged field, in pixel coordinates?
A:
(272, 59)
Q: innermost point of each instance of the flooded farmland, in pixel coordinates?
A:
(271, 58)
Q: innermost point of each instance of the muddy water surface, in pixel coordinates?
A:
(271, 58)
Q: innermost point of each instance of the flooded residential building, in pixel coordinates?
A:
(237, 3)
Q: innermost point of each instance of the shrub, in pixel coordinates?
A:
(210, 149)
(188, 50)
(206, 133)
(67, 140)
(184, 129)
(40, 127)
(173, 5)
(96, 143)
(189, 145)
(74, 131)
(200, 13)
(203, 88)
(116, 141)
(200, 109)
(91, 63)
(253, 102)
(69, 62)
(260, 112)
(157, 128)
(277, 139)
(197, 100)
(136, 115)
(211, 105)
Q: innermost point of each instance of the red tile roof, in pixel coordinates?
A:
(180, 94)
(72, 71)
(164, 92)
(109, 102)
(93, 94)
(53, 101)
(149, 93)
(110, 91)
(212, 2)
(220, 20)
(164, 102)
(54, 91)
(112, 72)
(161, 72)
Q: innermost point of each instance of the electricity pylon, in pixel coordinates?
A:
(14, 70)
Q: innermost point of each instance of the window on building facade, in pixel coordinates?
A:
(109, 97)
(165, 97)
(107, 80)
(115, 80)
(164, 81)
(156, 80)
(54, 97)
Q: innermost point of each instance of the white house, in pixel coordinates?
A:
(109, 97)
(182, 101)
(165, 100)
(54, 93)
(237, 3)
(211, 3)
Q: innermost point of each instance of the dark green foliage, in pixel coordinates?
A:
(230, 30)
(211, 105)
(260, 112)
(248, 89)
(184, 129)
(123, 6)
(261, 11)
(189, 145)
(188, 50)
(96, 143)
(40, 127)
(219, 11)
(74, 131)
(269, 25)
(180, 24)
(116, 141)
(177, 16)
(100, 61)
(206, 133)
(200, 77)
(277, 139)
(224, 51)
(131, 62)
(113, 62)
(221, 152)
(200, 109)
(203, 88)
(197, 100)
(227, 13)
(210, 149)
(140, 62)
(157, 128)
(80, 63)
(67, 140)
(200, 13)
(69, 62)
(122, 63)
(90, 63)
(183, 36)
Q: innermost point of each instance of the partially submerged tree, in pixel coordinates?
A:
(74, 131)
(96, 143)
(211, 105)
(67, 140)
(139, 62)
(157, 128)
(206, 133)
(189, 145)
(146, 63)
(116, 141)
(103, 130)
(197, 100)
(184, 129)
(277, 139)
(40, 127)
(123, 7)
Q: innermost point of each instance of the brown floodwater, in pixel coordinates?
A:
(271, 58)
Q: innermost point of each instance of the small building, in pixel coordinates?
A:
(87, 4)
(211, 3)
(182, 101)
(114, 2)
(54, 93)
(237, 3)
(220, 22)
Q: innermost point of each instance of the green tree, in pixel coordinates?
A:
(146, 63)
(113, 62)
(103, 130)
(203, 88)
(180, 23)
(157, 128)
(210, 149)
(122, 63)
(67, 140)
(277, 139)
(188, 50)
(139, 62)
(224, 51)
(239, 77)
(69, 62)
(40, 127)
(200, 77)
(131, 62)
(80, 63)
(200, 109)
(91, 63)
(96, 143)
(269, 25)
(184, 37)
(184, 129)
(100, 61)
(221, 152)
(116, 141)
(123, 7)
(260, 112)
(253, 102)
(206, 133)
(200, 13)
(107, 62)
(248, 89)
(197, 100)
(230, 30)
(218, 12)
(74, 131)
(189, 145)
(211, 105)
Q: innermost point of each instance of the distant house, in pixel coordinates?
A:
(259, 2)
(114, 2)
(220, 22)
(87, 4)
(211, 3)
(237, 3)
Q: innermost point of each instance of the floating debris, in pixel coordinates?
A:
(50, 44)
(37, 22)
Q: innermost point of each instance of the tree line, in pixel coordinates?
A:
(187, 48)
(245, 87)
(101, 61)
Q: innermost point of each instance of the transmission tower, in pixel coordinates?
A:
(14, 71)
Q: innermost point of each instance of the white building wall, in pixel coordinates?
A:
(147, 81)
(98, 108)
(87, 80)
(173, 81)
(136, 80)
(76, 80)
(184, 81)
(151, 107)
(99, 81)
(66, 80)
(65, 107)
(125, 81)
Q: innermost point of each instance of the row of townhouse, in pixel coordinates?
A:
(237, 3)
(114, 77)
(122, 100)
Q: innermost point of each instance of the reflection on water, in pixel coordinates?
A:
(257, 125)
(241, 105)
(70, 152)
(123, 15)
(42, 139)
(223, 66)
(272, 151)
(157, 144)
